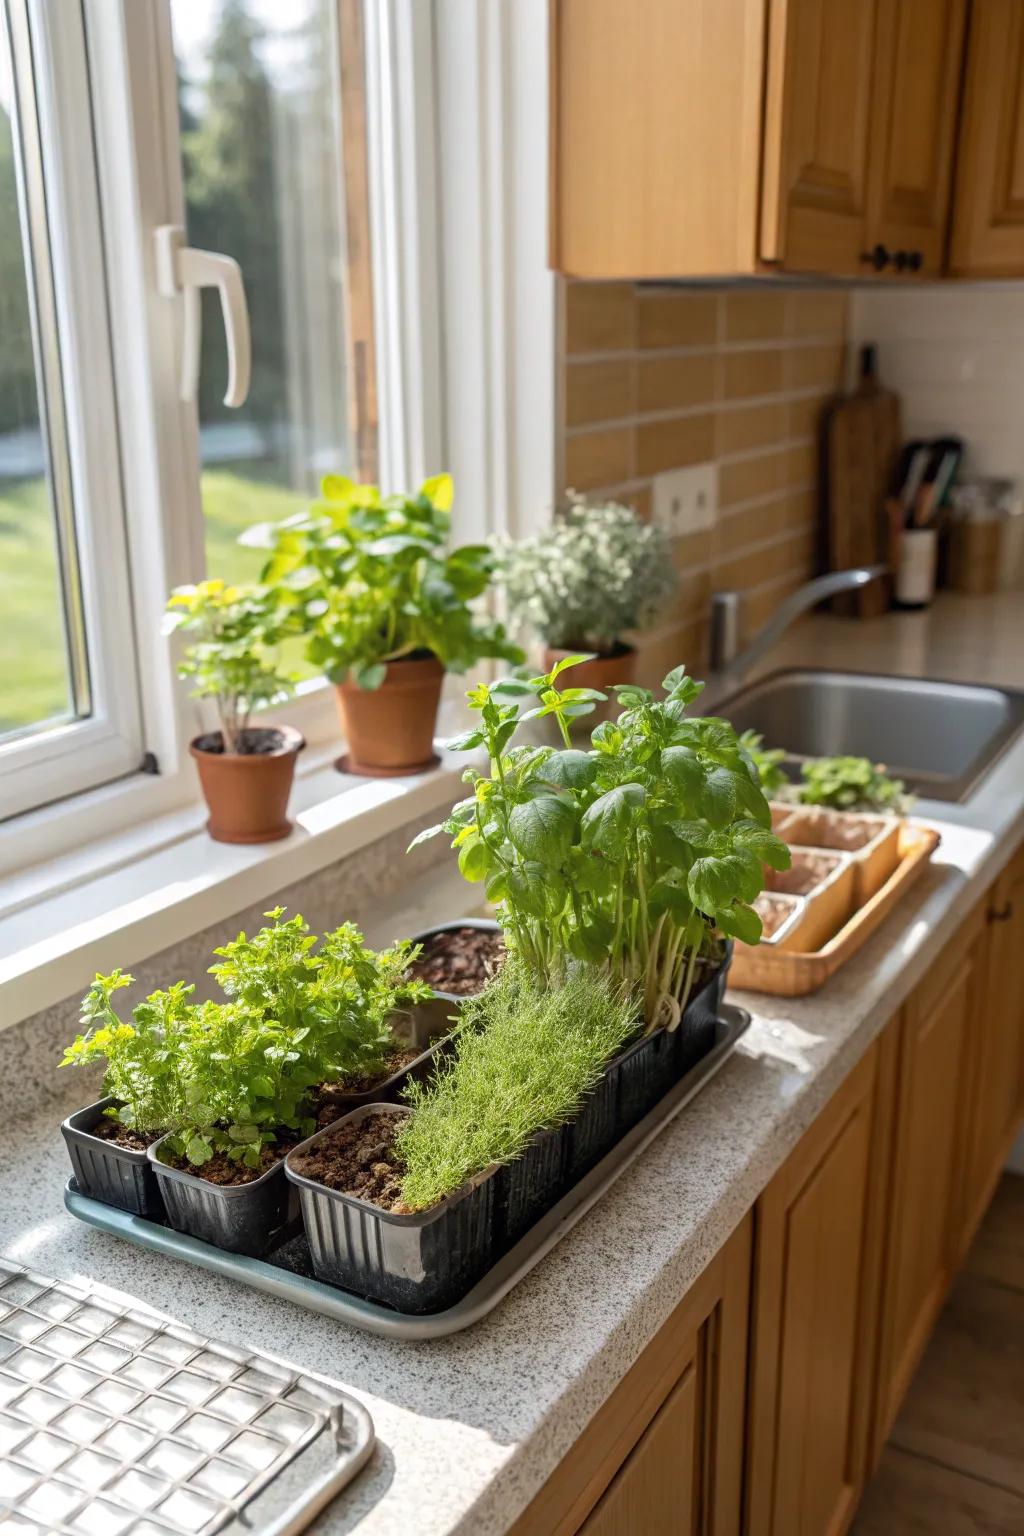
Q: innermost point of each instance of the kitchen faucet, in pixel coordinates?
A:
(729, 664)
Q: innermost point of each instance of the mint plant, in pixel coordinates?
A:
(233, 658)
(143, 1059)
(852, 784)
(371, 580)
(635, 855)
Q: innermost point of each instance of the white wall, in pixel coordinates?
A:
(956, 356)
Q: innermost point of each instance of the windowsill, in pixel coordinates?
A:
(153, 889)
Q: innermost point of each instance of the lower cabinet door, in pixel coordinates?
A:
(938, 1042)
(816, 1276)
(663, 1456)
(998, 1100)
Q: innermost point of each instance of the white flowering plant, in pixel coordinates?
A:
(595, 573)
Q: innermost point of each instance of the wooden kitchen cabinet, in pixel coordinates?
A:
(988, 213)
(997, 1090)
(696, 138)
(817, 123)
(937, 1035)
(914, 103)
(664, 1454)
(819, 1232)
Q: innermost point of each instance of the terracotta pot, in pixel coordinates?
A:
(247, 792)
(390, 729)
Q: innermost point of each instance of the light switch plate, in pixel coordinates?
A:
(686, 500)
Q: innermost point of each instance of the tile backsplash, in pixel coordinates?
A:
(656, 378)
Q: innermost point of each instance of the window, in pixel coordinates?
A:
(68, 691)
(274, 176)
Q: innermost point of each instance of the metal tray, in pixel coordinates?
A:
(115, 1418)
(287, 1272)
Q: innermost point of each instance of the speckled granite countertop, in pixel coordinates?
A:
(470, 1427)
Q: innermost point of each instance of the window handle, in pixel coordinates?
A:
(182, 269)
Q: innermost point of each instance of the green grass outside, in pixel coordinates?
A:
(33, 676)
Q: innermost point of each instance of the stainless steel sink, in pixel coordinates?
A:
(939, 737)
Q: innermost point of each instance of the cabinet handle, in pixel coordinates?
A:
(878, 257)
(915, 261)
(902, 260)
(1003, 915)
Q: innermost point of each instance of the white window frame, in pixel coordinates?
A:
(60, 208)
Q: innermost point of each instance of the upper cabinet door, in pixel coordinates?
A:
(655, 136)
(816, 134)
(914, 99)
(988, 210)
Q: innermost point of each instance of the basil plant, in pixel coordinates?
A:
(636, 856)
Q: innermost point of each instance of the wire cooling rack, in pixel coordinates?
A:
(116, 1422)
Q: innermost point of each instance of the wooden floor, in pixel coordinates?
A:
(954, 1463)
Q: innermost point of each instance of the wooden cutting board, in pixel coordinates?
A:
(862, 439)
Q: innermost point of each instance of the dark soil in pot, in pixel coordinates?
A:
(243, 1210)
(459, 960)
(359, 1160)
(332, 1100)
(111, 1163)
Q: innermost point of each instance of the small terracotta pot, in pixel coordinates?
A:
(247, 792)
(600, 673)
(390, 729)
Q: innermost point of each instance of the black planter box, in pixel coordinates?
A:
(116, 1175)
(532, 1182)
(242, 1218)
(418, 1263)
(423, 1027)
(440, 1008)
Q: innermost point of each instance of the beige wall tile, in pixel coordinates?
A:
(694, 549)
(604, 391)
(674, 442)
(676, 319)
(672, 383)
(815, 367)
(752, 373)
(734, 533)
(802, 464)
(599, 458)
(640, 501)
(804, 415)
(744, 479)
(599, 317)
(749, 426)
(754, 315)
(759, 606)
(759, 566)
(818, 312)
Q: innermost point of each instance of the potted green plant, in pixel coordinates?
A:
(203, 1099)
(852, 784)
(386, 606)
(643, 855)
(245, 770)
(142, 1088)
(597, 573)
(410, 1206)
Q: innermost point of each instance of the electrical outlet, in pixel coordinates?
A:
(686, 500)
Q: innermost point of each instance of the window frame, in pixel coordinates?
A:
(59, 198)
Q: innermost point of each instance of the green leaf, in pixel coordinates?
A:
(609, 821)
(198, 1151)
(592, 942)
(571, 769)
(543, 828)
(466, 741)
(684, 772)
(370, 675)
(667, 896)
(533, 889)
(671, 848)
(475, 859)
(425, 836)
(570, 661)
(607, 737)
(767, 847)
(740, 922)
(748, 873)
(718, 797)
(680, 688)
(712, 884)
(515, 688)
